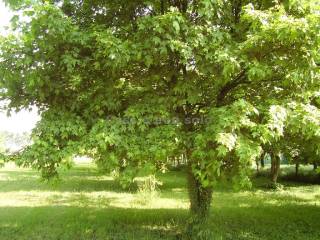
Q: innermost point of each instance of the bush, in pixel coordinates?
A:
(148, 189)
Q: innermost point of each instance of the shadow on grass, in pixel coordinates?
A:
(288, 176)
(64, 185)
(311, 178)
(264, 222)
(256, 214)
(77, 179)
(258, 218)
(90, 223)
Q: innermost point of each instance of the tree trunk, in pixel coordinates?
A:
(178, 162)
(258, 166)
(200, 202)
(200, 197)
(272, 169)
(315, 166)
(275, 168)
(262, 162)
(297, 169)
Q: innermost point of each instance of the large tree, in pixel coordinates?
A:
(133, 82)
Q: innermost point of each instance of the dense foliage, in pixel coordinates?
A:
(131, 83)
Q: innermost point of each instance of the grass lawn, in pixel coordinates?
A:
(87, 205)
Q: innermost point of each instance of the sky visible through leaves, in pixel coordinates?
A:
(24, 120)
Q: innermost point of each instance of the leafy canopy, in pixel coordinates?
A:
(126, 82)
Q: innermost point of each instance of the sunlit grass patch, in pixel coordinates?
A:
(87, 205)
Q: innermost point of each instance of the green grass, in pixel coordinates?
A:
(87, 205)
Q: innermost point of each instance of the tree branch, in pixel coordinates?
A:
(239, 79)
(162, 7)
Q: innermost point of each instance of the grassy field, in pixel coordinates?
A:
(87, 205)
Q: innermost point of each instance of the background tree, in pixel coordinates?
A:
(133, 82)
(2, 151)
(15, 141)
(303, 140)
(300, 143)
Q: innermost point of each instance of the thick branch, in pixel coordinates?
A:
(237, 4)
(162, 7)
(239, 79)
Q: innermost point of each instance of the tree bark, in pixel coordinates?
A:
(315, 166)
(178, 162)
(262, 162)
(297, 169)
(200, 198)
(272, 169)
(275, 168)
(258, 166)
